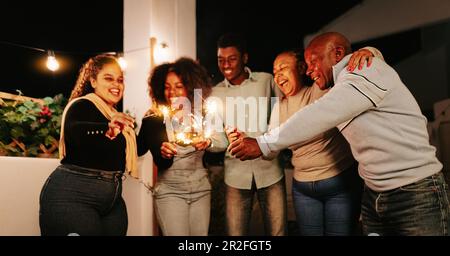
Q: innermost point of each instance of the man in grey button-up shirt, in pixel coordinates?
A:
(260, 176)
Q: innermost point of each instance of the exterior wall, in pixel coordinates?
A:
(174, 23)
(170, 21)
(21, 180)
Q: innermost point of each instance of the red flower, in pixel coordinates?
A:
(45, 111)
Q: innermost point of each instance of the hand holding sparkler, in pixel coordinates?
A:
(201, 144)
(233, 133)
(168, 150)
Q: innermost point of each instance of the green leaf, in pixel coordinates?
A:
(20, 120)
(29, 104)
(22, 109)
(17, 132)
(48, 101)
(33, 151)
(43, 132)
(49, 140)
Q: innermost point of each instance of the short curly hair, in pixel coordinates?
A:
(192, 75)
(156, 82)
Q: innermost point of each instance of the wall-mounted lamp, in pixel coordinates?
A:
(52, 62)
(122, 62)
(159, 52)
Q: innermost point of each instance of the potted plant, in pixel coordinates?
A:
(30, 128)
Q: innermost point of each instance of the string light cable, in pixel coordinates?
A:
(52, 62)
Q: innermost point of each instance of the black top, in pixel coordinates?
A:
(151, 136)
(86, 144)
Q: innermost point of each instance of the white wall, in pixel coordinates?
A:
(169, 21)
(21, 180)
(139, 200)
(375, 18)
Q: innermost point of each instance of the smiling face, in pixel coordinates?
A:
(174, 87)
(287, 74)
(231, 64)
(320, 60)
(108, 84)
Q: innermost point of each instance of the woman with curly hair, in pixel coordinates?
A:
(183, 191)
(83, 195)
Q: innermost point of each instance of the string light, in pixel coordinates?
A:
(52, 62)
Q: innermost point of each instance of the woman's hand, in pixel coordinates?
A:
(168, 150)
(113, 131)
(118, 122)
(202, 145)
(359, 58)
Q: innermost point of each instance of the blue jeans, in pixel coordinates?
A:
(82, 201)
(417, 209)
(330, 206)
(272, 200)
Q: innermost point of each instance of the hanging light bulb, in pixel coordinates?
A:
(52, 63)
(122, 62)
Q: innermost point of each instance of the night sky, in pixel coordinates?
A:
(77, 30)
(269, 26)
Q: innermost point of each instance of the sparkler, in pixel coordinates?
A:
(168, 123)
(198, 130)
